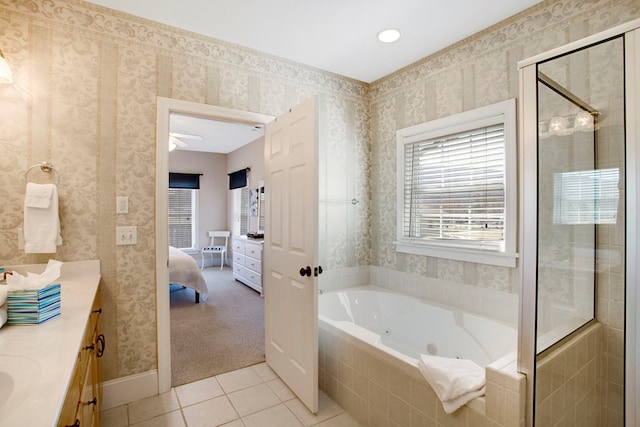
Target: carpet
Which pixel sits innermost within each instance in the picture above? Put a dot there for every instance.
(220, 335)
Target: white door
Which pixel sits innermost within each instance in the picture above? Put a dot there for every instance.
(291, 231)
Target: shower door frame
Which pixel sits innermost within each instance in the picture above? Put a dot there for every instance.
(528, 159)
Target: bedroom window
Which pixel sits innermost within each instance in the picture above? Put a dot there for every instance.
(182, 212)
(457, 186)
(183, 209)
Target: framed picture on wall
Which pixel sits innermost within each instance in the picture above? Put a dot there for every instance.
(254, 197)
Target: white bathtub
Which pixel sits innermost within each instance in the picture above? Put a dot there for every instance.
(404, 327)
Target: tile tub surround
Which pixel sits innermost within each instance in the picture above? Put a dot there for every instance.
(572, 381)
(377, 389)
(496, 304)
(53, 345)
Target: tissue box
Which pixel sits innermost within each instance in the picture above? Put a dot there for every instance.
(33, 306)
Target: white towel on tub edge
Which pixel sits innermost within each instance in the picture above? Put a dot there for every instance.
(455, 381)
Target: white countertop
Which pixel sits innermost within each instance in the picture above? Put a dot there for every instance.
(50, 349)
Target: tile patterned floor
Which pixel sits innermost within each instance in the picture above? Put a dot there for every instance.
(248, 397)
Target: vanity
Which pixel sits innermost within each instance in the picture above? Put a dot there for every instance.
(50, 373)
(247, 261)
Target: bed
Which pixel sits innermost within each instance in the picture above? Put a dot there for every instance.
(183, 270)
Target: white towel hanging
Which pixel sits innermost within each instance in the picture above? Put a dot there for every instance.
(41, 219)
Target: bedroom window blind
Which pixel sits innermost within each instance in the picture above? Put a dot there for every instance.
(181, 217)
(244, 211)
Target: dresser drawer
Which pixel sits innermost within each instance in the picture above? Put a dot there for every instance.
(253, 250)
(238, 246)
(238, 258)
(252, 276)
(253, 264)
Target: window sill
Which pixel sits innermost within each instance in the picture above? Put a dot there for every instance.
(480, 256)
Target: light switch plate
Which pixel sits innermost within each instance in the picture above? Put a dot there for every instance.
(122, 204)
(126, 235)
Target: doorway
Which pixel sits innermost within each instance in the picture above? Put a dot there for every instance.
(165, 108)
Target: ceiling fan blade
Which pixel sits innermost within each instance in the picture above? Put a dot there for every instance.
(185, 136)
(177, 142)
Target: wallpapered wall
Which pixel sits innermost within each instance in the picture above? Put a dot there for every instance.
(480, 71)
(84, 98)
(475, 72)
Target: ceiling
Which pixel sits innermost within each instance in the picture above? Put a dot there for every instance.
(217, 136)
(333, 35)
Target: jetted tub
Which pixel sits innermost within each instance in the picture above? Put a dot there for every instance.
(404, 327)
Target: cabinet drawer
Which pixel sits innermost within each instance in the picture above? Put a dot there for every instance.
(238, 259)
(238, 246)
(253, 264)
(238, 269)
(252, 276)
(253, 251)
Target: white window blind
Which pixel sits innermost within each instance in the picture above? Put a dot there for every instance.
(244, 210)
(181, 217)
(586, 197)
(457, 186)
(454, 187)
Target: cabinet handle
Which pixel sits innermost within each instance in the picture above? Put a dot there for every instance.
(99, 310)
(101, 345)
(94, 401)
(76, 424)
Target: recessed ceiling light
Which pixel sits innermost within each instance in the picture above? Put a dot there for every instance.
(389, 35)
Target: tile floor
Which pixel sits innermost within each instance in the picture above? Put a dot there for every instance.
(248, 397)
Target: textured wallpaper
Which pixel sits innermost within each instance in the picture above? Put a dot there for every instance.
(84, 98)
(475, 72)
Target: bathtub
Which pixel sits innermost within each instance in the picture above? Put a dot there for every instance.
(369, 342)
(403, 327)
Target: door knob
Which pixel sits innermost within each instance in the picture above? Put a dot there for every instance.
(305, 271)
(317, 270)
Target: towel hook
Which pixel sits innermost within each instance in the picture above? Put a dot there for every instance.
(44, 167)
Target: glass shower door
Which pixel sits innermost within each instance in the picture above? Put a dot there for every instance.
(578, 230)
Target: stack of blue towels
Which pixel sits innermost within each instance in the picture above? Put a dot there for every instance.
(33, 306)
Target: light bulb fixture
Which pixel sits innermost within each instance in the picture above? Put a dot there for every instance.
(389, 35)
(583, 121)
(5, 72)
(559, 126)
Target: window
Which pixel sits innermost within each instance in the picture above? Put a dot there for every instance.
(240, 211)
(457, 186)
(183, 191)
(586, 197)
(182, 209)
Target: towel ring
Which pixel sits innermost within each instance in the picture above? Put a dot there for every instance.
(44, 167)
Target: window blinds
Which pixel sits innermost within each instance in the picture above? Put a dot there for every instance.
(244, 210)
(455, 187)
(180, 218)
(586, 197)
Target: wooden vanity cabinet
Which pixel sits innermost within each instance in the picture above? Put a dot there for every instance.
(82, 402)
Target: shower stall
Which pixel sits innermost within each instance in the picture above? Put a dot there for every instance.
(579, 179)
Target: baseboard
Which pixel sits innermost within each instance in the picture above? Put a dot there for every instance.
(129, 389)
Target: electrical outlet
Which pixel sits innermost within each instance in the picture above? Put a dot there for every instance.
(126, 235)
